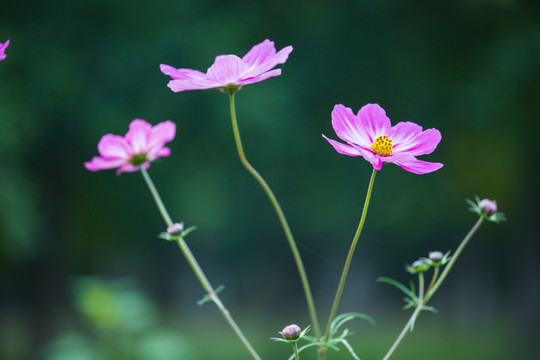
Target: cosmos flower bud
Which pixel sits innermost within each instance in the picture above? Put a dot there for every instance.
(291, 332)
(488, 206)
(175, 229)
(418, 266)
(436, 256)
(487, 209)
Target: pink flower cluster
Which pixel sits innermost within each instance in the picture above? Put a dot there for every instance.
(230, 70)
(368, 134)
(142, 144)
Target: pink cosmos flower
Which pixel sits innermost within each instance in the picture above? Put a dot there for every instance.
(3, 50)
(142, 144)
(369, 134)
(230, 70)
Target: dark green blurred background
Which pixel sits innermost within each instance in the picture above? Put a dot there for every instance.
(79, 69)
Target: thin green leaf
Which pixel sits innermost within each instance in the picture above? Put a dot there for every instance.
(349, 347)
(280, 339)
(187, 231)
(310, 338)
(206, 298)
(341, 319)
(410, 303)
(399, 285)
(430, 308)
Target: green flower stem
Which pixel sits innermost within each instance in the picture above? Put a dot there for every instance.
(296, 356)
(412, 319)
(196, 268)
(162, 210)
(281, 216)
(454, 258)
(423, 299)
(348, 263)
(433, 278)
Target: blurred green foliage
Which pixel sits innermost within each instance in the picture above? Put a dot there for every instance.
(77, 70)
(123, 326)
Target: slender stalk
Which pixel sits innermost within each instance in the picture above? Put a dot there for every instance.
(454, 258)
(433, 286)
(280, 215)
(196, 268)
(296, 356)
(433, 278)
(412, 319)
(162, 210)
(348, 262)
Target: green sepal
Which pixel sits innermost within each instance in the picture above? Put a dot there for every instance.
(410, 293)
(169, 237)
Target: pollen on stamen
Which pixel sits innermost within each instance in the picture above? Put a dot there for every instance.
(382, 145)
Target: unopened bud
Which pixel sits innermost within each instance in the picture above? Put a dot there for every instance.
(291, 332)
(175, 229)
(436, 256)
(488, 206)
(418, 266)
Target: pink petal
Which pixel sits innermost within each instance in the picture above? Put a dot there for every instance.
(262, 57)
(183, 85)
(162, 152)
(187, 79)
(397, 157)
(138, 136)
(262, 77)
(419, 166)
(376, 162)
(343, 148)
(260, 53)
(114, 146)
(130, 168)
(161, 134)
(99, 163)
(227, 69)
(3, 49)
(374, 121)
(403, 132)
(183, 74)
(348, 127)
(421, 144)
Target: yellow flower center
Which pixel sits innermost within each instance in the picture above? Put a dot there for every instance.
(382, 145)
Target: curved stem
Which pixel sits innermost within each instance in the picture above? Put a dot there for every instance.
(280, 215)
(196, 268)
(412, 319)
(454, 258)
(348, 260)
